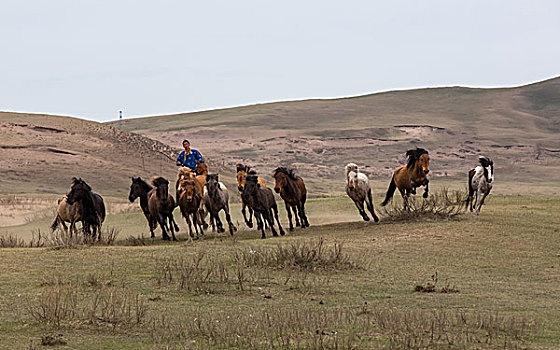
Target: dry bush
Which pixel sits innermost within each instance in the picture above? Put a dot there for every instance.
(10, 240)
(63, 302)
(440, 205)
(305, 255)
(431, 286)
(291, 328)
(137, 241)
(197, 273)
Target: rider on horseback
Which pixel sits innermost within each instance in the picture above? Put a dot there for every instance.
(189, 157)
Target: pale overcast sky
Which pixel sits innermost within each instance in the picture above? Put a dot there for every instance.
(90, 59)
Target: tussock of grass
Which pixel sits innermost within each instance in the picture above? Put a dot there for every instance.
(441, 205)
(62, 302)
(58, 239)
(306, 255)
(286, 328)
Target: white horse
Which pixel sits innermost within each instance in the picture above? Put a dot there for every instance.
(357, 188)
(481, 179)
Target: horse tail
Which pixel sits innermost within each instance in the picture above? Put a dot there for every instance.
(390, 191)
(54, 225)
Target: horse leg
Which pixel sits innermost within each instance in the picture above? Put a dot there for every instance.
(301, 210)
(232, 227)
(289, 211)
(484, 194)
(260, 225)
(189, 225)
(299, 223)
(220, 224)
(360, 205)
(171, 223)
(249, 222)
(369, 203)
(200, 220)
(426, 182)
(275, 208)
(477, 202)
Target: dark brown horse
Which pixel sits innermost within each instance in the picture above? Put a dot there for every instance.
(140, 189)
(242, 171)
(262, 202)
(93, 213)
(189, 203)
(161, 205)
(409, 176)
(292, 190)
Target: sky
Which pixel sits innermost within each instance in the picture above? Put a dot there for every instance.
(90, 59)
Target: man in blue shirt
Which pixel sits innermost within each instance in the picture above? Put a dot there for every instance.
(189, 157)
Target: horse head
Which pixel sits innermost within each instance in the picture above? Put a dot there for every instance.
(488, 166)
(78, 190)
(351, 174)
(242, 171)
(189, 189)
(212, 182)
(162, 187)
(280, 175)
(251, 186)
(418, 158)
(138, 187)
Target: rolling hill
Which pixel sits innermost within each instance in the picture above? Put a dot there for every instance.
(518, 127)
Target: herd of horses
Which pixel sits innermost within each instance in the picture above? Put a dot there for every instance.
(199, 194)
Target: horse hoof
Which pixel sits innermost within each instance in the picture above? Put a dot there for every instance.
(366, 218)
(282, 233)
(376, 219)
(275, 235)
(192, 236)
(263, 237)
(249, 224)
(425, 195)
(291, 229)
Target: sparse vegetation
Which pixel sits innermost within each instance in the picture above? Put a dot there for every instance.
(440, 205)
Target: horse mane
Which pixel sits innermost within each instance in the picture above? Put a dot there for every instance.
(413, 155)
(144, 184)
(289, 172)
(183, 171)
(351, 167)
(484, 161)
(158, 180)
(77, 180)
(251, 178)
(240, 167)
(252, 172)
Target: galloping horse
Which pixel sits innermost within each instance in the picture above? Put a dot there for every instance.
(161, 205)
(261, 199)
(292, 190)
(67, 213)
(242, 172)
(93, 213)
(186, 173)
(216, 198)
(409, 176)
(189, 203)
(480, 180)
(358, 189)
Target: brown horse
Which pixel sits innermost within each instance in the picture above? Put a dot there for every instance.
(292, 190)
(186, 173)
(409, 176)
(161, 205)
(262, 201)
(93, 207)
(189, 203)
(242, 171)
(67, 213)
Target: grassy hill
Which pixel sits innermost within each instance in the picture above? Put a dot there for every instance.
(517, 127)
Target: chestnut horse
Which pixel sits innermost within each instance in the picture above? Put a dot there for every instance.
(409, 176)
(292, 190)
(358, 189)
(186, 173)
(189, 203)
(93, 208)
(161, 205)
(242, 172)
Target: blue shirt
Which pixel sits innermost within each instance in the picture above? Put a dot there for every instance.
(189, 160)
